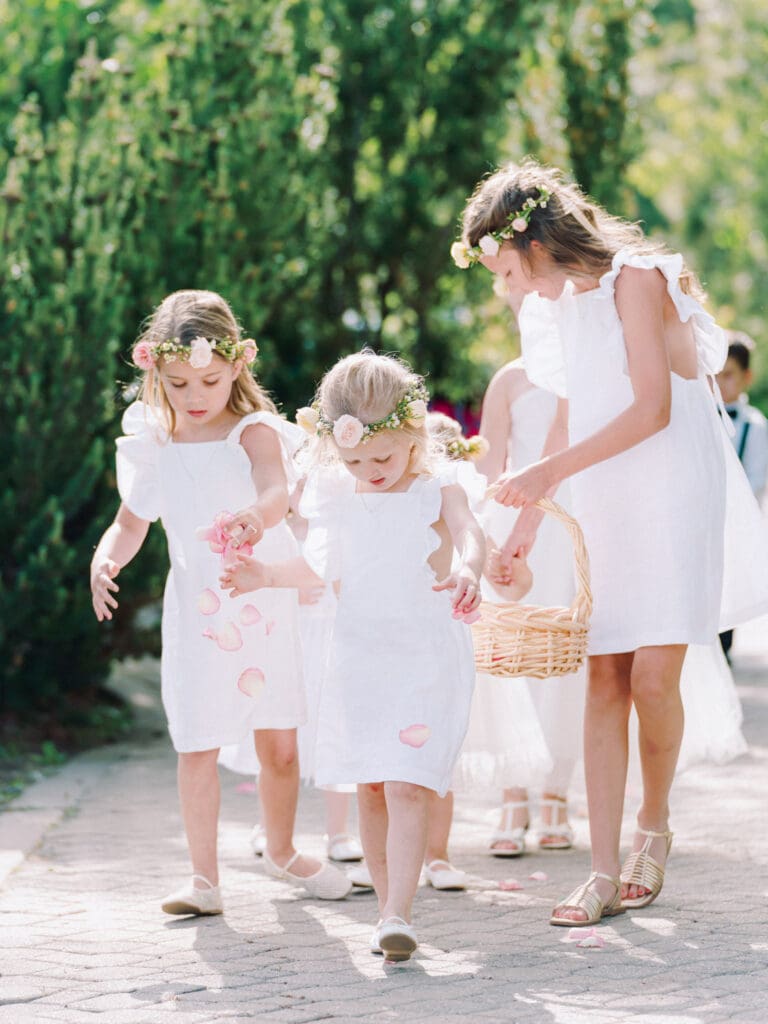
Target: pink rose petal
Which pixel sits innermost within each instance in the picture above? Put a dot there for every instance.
(538, 876)
(245, 787)
(208, 603)
(591, 942)
(251, 682)
(579, 934)
(509, 885)
(230, 638)
(209, 634)
(269, 626)
(250, 615)
(415, 735)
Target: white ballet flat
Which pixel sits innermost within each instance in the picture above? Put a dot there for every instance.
(190, 900)
(374, 945)
(397, 939)
(328, 883)
(360, 877)
(445, 877)
(344, 848)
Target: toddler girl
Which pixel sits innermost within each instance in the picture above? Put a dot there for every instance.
(383, 523)
(205, 446)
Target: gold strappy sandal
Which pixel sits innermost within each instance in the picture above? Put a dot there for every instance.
(587, 899)
(640, 868)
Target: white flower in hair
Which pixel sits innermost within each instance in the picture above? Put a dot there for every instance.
(489, 245)
(459, 255)
(348, 431)
(417, 411)
(200, 353)
(307, 418)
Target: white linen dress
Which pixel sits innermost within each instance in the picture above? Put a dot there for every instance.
(229, 666)
(654, 516)
(395, 700)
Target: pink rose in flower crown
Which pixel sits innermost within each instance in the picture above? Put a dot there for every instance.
(250, 350)
(519, 224)
(348, 431)
(142, 356)
(200, 353)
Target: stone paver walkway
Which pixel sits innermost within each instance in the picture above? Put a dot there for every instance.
(86, 856)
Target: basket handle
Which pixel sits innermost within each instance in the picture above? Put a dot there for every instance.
(581, 606)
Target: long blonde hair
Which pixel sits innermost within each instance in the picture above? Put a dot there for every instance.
(190, 314)
(576, 232)
(368, 386)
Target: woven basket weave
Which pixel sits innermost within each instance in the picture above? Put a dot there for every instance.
(513, 639)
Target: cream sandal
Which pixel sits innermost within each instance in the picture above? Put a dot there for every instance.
(586, 898)
(640, 868)
(556, 835)
(509, 835)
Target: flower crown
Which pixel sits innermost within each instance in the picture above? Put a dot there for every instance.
(198, 353)
(466, 256)
(349, 431)
(468, 448)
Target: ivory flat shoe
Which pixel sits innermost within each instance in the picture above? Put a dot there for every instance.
(444, 876)
(397, 939)
(328, 883)
(197, 902)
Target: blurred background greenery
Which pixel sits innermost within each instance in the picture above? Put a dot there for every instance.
(309, 159)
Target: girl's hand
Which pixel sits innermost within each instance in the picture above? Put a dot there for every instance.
(510, 578)
(466, 591)
(103, 587)
(520, 541)
(526, 486)
(246, 527)
(243, 575)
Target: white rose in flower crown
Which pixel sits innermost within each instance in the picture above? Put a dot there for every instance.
(348, 431)
(200, 353)
(459, 255)
(307, 418)
(489, 245)
(417, 411)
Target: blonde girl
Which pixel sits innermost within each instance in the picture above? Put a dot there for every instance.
(205, 452)
(614, 325)
(383, 524)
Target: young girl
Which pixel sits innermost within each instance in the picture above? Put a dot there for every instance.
(205, 446)
(524, 733)
(396, 699)
(615, 323)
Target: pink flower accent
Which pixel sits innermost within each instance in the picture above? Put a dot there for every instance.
(520, 224)
(208, 603)
(510, 885)
(251, 682)
(219, 540)
(348, 431)
(269, 626)
(230, 638)
(538, 876)
(142, 356)
(250, 350)
(250, 615)
(415, 735)
(586, 938)
(245, 787)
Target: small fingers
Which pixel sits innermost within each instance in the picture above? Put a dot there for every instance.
(447, 584)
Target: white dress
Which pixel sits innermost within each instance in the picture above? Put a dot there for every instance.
(395, 701)
(522, 732)
(654, 516)
(229, 666)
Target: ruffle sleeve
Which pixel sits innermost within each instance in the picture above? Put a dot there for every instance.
(321, 504)
(541, 343)
(711, 342)
(465, 474)
(137, 458)
(291, 437)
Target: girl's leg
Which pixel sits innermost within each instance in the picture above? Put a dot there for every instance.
(407, 807)
(279, 794)
(656, 694)
(606, 718)
(336, 813)
(438, 827)
(200, 797)
(374, 820)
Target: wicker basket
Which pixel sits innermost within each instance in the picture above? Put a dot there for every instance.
(513, 639)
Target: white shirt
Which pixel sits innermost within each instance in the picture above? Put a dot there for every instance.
(750, 439)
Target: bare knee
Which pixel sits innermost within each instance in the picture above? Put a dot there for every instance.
(198, 761)
(610, 683)
(277, 750)
(407, 792)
